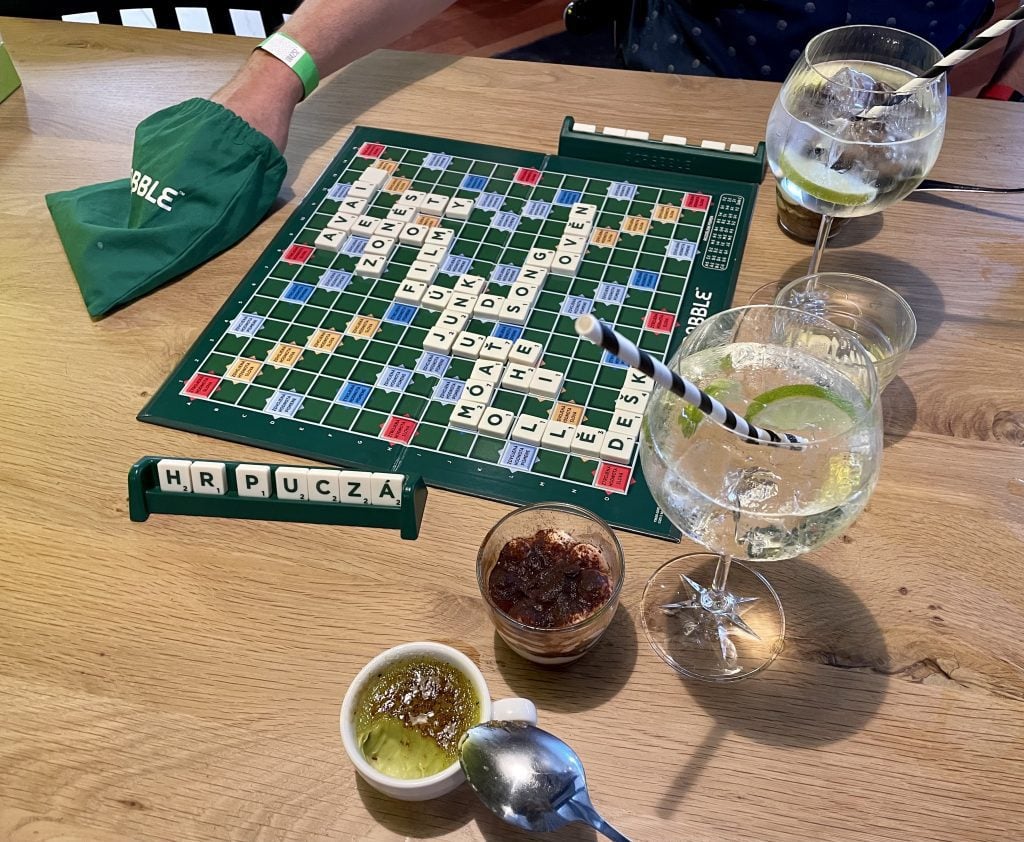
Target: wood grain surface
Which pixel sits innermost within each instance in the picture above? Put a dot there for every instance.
(181, 679)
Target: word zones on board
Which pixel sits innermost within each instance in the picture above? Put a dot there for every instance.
(323, 485)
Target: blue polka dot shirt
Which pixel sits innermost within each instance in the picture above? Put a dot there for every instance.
(761, 40)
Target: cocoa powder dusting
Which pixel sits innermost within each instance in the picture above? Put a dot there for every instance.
(549, 580)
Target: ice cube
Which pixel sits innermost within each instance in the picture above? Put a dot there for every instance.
(750, 488)
(848, 98)
(854, 91)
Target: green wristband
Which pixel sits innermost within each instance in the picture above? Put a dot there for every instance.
(292, 53)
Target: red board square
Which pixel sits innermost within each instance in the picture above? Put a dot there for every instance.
(399, 430)
(297, 254)
(660, 321)
(527, 176)
(371, 150)
(697, 201)
(613, 477)
(201, 385)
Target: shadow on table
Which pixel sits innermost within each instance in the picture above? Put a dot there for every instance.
(921, 292)
(851, 232)
(790, 705)
(855, 232)
(964, 204)
(899, 411)
(422, 819)
(446, 815)
(346, 103)
(592, 680)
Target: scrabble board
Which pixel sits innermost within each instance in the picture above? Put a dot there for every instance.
(415, 313)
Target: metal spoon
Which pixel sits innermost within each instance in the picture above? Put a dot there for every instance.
(529, 777)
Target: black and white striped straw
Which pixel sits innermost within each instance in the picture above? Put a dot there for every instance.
(615, 343)
(981, 40)
(968, 49)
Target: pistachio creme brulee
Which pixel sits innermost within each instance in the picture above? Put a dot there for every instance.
(411, 715)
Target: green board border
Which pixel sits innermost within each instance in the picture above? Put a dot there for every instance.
(709, 291)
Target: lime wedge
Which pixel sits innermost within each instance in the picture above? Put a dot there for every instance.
(724, 390)
(824, 183)
(801, 406)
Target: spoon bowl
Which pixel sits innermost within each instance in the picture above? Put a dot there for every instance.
(529, 778)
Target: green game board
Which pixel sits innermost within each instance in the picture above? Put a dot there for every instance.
(311, 357)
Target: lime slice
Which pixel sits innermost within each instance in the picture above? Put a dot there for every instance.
(801, 406)
(724, 390)
(824, 183)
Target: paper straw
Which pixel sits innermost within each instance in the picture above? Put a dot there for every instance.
(615, 343)
(942, 65)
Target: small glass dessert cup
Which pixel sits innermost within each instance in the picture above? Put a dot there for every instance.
(554, 591)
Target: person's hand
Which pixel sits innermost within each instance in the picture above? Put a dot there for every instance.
(264, 93)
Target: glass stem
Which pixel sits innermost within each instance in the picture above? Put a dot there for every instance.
(719, 594)
(819, 245)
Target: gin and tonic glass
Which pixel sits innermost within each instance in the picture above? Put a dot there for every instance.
(710, 616)
(841, 141)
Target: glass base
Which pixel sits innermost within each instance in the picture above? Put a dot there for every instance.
(712, 639)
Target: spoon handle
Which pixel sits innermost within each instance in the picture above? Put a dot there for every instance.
(590, 816)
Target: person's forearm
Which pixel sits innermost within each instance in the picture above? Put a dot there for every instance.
(265, 91)
(337, 32)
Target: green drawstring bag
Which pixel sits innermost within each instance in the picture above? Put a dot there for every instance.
(202, 178)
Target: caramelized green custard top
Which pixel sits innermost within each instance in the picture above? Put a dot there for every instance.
(411, 715)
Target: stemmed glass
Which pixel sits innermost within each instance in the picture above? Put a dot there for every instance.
(710, 616)
(841, 141)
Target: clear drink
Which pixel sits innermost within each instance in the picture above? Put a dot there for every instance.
(754, 502)
(841, 145)
(878, 316)
(714, 617)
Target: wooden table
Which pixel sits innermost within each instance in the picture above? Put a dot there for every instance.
(181, 679)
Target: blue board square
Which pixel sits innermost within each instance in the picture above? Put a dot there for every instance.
(490, 201)
(449, 390)
(505, 273)
(284, 404)
(299, 293)
(338, 192)
(246, 324)
(504, 331)
(621, 190)
(456, 264)
(355, 246)
(353, 394)
(394, 378)
(434, 365)
(401, 314)
(682, 249)
(576, 305)
(610, 359)
(437, 161)
(610, 293)
(568, 197)
(518, 457)
(643, 279)
(505, 221)
(473, 182)
(334, 279)
(537, 210)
